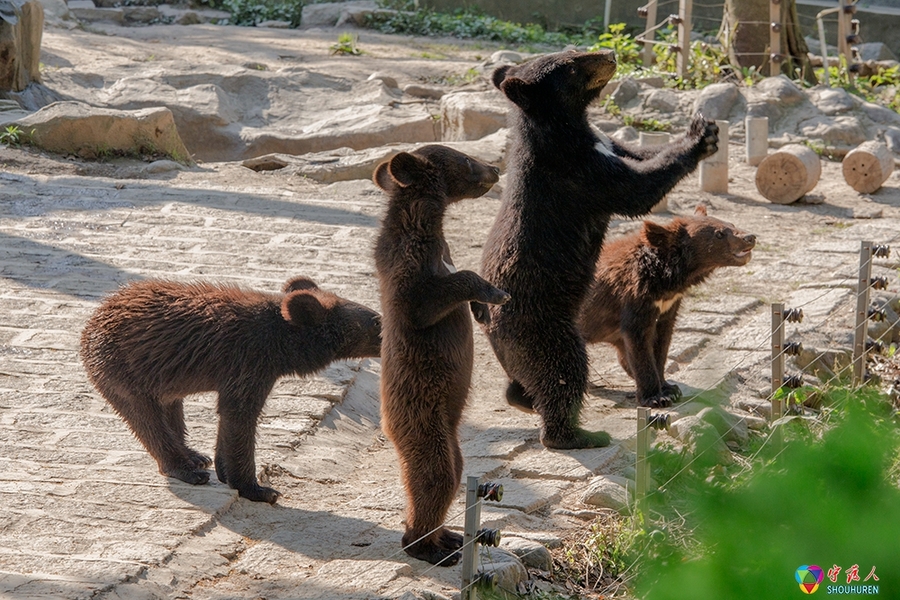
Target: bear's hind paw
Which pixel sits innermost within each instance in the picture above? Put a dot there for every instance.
(188, 474)
(580, 438)
(259, 493)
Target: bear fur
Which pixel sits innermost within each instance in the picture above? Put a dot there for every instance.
(564, 182)
(639, 284)
(153, 342)
(427, 348)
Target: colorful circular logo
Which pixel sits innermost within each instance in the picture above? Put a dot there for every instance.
(809, 577)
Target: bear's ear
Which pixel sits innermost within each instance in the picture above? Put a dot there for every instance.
(303, 308)
(299, 283)
(515, 89)
(406, 168)
(499, 75)
(382, 178)
(700, 210)
(656, 235)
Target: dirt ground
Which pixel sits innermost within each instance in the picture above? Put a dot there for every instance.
(335, 532)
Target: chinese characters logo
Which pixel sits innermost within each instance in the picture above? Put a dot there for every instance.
(810, 576)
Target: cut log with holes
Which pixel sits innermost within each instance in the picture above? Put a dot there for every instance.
(786, 175)
(868, 166)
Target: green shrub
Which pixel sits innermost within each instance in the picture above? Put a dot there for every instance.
(252, 12)
(830, 498)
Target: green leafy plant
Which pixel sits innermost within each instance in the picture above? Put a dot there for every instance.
(830, 499)
(252, 12)
(627, 50)
(346, 44)
(467, 23)
(12, 136)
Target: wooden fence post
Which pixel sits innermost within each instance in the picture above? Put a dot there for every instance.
(682, 63)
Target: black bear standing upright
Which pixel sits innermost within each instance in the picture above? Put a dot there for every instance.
(563, 185)
(641, 278)
(153, 342)
(427, 352)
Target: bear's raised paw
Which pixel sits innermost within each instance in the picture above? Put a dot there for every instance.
(706, 136)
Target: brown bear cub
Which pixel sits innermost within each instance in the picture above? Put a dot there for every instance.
(564, 184)
(427, 349)
(153, 342)
(639, 284)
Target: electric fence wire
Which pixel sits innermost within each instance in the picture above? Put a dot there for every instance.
(372, 553)
(473, 541)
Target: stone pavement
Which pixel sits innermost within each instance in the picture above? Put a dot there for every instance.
(83, 511)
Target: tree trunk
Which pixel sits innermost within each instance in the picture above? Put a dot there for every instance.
(20, 48)
(745, 32)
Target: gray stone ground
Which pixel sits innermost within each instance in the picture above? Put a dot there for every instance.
(83, 512)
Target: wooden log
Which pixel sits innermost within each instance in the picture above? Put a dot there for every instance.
(868, 166)
(786, 175)
(714, 170)
(757, 139)
(656, 138)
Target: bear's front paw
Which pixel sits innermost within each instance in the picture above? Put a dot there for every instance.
(660, 400)
(671, 391)
(706, 136)
(498, 297)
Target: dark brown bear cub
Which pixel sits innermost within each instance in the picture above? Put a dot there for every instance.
(640, 281)
(564, 184)
(154, 342)
(427, 350)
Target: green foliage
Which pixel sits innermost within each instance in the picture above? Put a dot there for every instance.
(12, 136)
(829, 497)
(706, 62)
(346, 44)
(471, 23)
(463, 23)
(627, 50)
(251, 12)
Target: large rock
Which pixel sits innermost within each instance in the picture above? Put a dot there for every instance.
(605, 492)
(532, 554)
(781, 88)
(832, 101)
(842, 133)
(662, 100)
(472, 115)
(56, 12)
(506, 567)
(627, 90)
(77, 128)
(234, 113)
(20, 48)
(701, 438)
(876, 51)
(346, 164)
(716, 101)
(331, 14)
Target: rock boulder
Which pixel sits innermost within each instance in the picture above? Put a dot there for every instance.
(77, 128)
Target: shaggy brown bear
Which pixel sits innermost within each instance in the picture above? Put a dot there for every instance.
(154, 342)
(640, 281)
(563, 184)
(427, 350)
